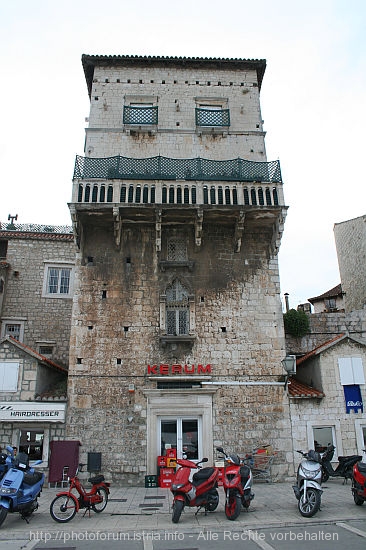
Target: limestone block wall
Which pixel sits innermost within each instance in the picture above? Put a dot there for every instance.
(331, 409)
(115, 335)
(45, 319)
(350, 239)
(324, 327)
(176, 92)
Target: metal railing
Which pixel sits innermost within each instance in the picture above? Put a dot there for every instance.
(164, 168)
(140, 115)
(212, 117)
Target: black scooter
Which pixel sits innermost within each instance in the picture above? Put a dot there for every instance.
(344, 468)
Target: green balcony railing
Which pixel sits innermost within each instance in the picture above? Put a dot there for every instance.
(164, 168)
(140, 115)
(212, 117)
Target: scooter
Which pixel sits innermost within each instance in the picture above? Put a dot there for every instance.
(359, 482)
(237, 482)
(200, 492)
(344, 468)
(20, 486)
(308, 489)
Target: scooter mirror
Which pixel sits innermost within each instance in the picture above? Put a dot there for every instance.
(220, 449)
(204, 460)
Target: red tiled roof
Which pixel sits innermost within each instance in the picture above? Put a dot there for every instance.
(302, 391)
(37, 355)
(319, 349)
(333, 292)
(37, 235)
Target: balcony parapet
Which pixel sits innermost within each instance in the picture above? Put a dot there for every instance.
(164, 168)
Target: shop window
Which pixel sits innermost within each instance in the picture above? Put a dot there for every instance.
(181, 434)
(9, 371)
(177, 310)
(31, 443)
(58, 281)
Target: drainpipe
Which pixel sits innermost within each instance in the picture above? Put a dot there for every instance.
(287, 302)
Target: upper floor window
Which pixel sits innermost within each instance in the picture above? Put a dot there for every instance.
(177, 250)
(9, 376)
(14, 328)
(177, 310)
(3, 249)
(351, 371)
(58, 281)
(140, 113)
(330, 303)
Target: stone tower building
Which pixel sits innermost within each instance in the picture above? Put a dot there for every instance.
(350, 239)
(177, 332)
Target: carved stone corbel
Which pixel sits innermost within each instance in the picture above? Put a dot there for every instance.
(75, 225)
(117, 221)
(158, 230)
(239, 228)
(198, 227)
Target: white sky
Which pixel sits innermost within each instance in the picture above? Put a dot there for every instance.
(313, 103)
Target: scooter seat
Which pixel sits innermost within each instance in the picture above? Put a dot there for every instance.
(32, 479)
(95, 480)
(349, 458)
(202, 475)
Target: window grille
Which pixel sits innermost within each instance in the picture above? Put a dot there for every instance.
(12, 329)
(140, 114)
(177, 250)
(177, 310)
(212, 116)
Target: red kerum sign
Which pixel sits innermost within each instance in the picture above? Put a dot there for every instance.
(178, 369)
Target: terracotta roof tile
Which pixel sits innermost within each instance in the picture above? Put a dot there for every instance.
(302, 391)
(319, 349)
(37, 355)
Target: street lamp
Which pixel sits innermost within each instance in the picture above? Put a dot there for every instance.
(289, 364)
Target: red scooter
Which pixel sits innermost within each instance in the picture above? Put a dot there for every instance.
(200, 492)
(359, 482)
(237, 481)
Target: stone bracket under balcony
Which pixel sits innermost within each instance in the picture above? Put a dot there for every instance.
(174, 340)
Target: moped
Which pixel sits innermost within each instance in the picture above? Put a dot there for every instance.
(200, 492)
(308, 489)
(237, 482)
(344, 468)
(66, 503)
(20, 486)
(359, 482)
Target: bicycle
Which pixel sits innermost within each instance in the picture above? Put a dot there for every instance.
(66, 503)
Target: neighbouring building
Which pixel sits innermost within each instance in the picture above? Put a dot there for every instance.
(36, 290)
(350, 239)
(177, 330)
(328, 302)
(327, 396)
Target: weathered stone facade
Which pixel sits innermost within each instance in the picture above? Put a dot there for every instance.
(175, 271)
(44, 320)
(350, 239)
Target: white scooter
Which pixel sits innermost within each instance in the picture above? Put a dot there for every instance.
(308, 489)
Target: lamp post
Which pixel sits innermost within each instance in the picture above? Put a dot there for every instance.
(289, 364)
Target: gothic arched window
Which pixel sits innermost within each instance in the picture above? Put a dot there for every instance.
(177, 309)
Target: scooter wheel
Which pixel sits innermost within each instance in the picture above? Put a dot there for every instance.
(177, 510)
(3, 514)
(63, 509)
(358, 500)
(233, 506)
(309, 503)
(99, 506)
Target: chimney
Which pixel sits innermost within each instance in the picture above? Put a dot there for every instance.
(287, 302)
